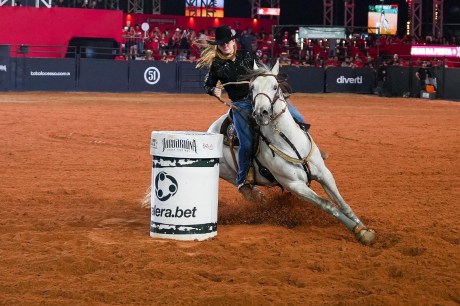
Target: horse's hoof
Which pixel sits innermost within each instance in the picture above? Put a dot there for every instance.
(364, 235)
(252, 193)
(258, 196)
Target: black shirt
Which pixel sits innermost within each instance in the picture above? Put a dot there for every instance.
(423, 73)
(231, 71)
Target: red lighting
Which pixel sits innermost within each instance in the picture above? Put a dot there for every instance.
(191, 23)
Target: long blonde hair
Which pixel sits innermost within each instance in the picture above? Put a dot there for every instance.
(210, 52)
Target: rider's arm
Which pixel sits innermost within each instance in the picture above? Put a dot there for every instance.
(211, 81)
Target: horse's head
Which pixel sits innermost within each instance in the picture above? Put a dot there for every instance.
(265, 92)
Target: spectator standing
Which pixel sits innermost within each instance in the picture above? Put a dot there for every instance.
(422, 75)
(382, 78)
(248, 40)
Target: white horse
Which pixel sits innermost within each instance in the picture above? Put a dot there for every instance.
(289, 153)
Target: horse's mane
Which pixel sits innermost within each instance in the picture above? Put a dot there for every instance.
(263, 69)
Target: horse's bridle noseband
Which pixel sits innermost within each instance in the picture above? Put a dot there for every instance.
(276, 97)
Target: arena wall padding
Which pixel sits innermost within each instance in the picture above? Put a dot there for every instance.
(305, 79)
(103, 75)
(6, 69)
(400, 80)
(451, 84)
(191, 80)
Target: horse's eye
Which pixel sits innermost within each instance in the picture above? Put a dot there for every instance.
(275, 87)
(252, 87)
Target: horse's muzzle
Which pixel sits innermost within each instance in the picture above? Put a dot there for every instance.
(262, 118)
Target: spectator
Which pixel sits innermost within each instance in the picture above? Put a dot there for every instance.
(382, 80)
(248, 40)
(422, 75)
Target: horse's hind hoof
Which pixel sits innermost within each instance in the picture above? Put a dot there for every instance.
(364, 235)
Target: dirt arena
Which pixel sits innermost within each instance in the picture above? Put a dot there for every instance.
(74, 167)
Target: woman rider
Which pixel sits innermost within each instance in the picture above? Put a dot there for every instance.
(227, 64)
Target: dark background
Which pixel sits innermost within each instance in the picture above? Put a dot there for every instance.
(310, 12)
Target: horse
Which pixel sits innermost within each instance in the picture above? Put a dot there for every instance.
(288, 152)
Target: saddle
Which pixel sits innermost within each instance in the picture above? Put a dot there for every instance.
(231, 140)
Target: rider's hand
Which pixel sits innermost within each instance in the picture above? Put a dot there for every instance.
(217, 92)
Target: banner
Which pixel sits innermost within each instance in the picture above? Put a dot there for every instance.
(155, 76)
(353, 80)
(322, 32)
(49, 74)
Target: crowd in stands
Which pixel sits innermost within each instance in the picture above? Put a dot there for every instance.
(359, 50)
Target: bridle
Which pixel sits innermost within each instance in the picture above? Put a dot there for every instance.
(278, 96)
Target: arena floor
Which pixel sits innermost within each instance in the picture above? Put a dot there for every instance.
(74, 167)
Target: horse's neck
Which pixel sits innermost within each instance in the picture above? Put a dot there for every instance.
(284, 125)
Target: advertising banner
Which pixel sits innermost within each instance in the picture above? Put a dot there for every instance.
(49, 74)
(153, 76)
(353, 80)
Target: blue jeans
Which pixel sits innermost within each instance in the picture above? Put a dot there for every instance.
(245, 135)
(295, 113)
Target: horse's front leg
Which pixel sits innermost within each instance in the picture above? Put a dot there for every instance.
(327, 181)
(361, 233)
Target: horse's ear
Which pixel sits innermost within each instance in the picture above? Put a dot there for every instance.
(276, 68)
(255, 65)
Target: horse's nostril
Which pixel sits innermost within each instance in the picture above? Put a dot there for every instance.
(265, 112)
(254, 114)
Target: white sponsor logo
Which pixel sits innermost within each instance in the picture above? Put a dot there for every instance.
(179, 145)
(3, 68)
(208, 146)
(448, 51)
(49, 73)
(152, 75)
(344, 80)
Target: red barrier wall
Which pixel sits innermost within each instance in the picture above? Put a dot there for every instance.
(56, 26)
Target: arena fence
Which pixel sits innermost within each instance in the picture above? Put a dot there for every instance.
(109, 75)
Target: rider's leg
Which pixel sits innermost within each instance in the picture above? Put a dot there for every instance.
(246, 137)
(298, 117)
(295, 113)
